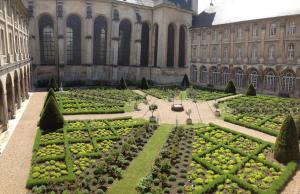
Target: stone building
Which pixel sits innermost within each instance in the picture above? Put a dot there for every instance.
(98, 40)
(246, 44)
(14, 59)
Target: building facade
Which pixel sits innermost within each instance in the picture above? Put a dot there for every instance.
(263, 51)
(14, 59)
(100, 40)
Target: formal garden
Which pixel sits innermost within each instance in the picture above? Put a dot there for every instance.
(144, 156)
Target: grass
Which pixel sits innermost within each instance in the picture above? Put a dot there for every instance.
(142, 164)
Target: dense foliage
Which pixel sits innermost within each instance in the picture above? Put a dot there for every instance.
(251, 91)
(185, 83)
(287, 146)
(144, 84)
(51, 118)
(53, 84)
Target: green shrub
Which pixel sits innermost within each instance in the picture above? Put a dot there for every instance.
(51, 118)
(297, 123)
(286, 145)
(53, 84)
(50, 93)
(185, 82)
(110, 180)
(123, 84)
(230, 88)
(144, 84)
(251, 91)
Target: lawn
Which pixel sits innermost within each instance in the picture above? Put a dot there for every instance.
(142, 164)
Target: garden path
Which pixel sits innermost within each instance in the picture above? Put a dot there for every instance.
(142, 164)
(16, 159)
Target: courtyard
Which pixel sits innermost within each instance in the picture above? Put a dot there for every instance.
(107, 145)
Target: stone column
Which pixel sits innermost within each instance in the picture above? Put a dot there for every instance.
(13, 106)
(19, 93)
(60, 27)
(115, 43)
(5, 110)
(89, 40)
(137, 42)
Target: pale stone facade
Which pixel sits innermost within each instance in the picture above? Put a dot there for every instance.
(153, 14)
(14, 59)
(264, 52)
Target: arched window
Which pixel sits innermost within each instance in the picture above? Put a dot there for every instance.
(226, 76)
(288, 82)
(215, 74)
(145, 45)
(155, 44)
(47, 47)
(2, 41)
(203, 74)
(270, 80)
(239, 77)
(73, 40)
(171, 45)
(253, 77)
(100, 40)
(124, 42)
(291, 51)
(181, 54)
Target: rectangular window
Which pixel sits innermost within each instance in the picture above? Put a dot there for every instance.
(226, 34)
(291, 29)
(203, 36)
(273, 30)
(239, 33)
(214, 35)
(254, 31)
(225, 55)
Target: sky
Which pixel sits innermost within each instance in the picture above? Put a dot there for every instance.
(203, 4)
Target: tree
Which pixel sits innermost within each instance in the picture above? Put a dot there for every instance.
(297, 122)
(144, 84)
(251, 91)
(50, 93)
(286, 145)
(53, 84)
(152, 108)
(230, 88)
(185, 82)
(123, 84)
(51, 118)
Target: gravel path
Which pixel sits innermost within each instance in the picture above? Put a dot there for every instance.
(16, 158)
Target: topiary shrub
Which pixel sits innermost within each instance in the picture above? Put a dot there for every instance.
(144, 84)
(123, 84)
(50, 93)
(230, 88)
(185, 82)
(51, 118)
(251, 91)
(53, 84)
(286, 145)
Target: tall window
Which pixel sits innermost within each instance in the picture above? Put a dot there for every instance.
(215, 76)
(254, 53)
(291, 51)
(203, 36)
(145, 45)
(239, 54)
(225, 52)
(254, 31)
(47, 47)
(273, 29)
(214, 52)
(239, 33)
(2, 41)
(203, 74)
(288, 82)
(291, 29)
(253, 78)
(214, 35)
(226, 34)
(155, 44)
(100, 40)
(171, 40)
(204, 53)
(271, 52)
(181, 54)
(73, 40)
(124, 43)
(194, 52)
(193, 73)
(226, 76)
(270, 81)
(239, 77)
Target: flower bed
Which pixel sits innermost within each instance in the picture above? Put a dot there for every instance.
(85, 158)
(223, 161)
(205, 95)
(96, 101)
(163, 93)
(262, 113)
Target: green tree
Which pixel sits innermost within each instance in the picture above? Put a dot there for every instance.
(152, 108)
(185, 82)
(286, 145)
(50, 93)
(123, 84)
(51, 118)
(144, 84)
(251, 91)
(53, 84)
(230, 88)
(297, 122)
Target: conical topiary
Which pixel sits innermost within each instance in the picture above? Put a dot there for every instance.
(53, 84)
(50, 93)
(51, 118)
(286, 145)
(144, 84)
(251, 91)
(230, 88)
(185, 82)
(123, 84)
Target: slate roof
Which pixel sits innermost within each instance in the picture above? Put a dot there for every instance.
(232, 11)
(184, 4)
